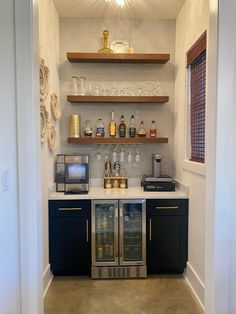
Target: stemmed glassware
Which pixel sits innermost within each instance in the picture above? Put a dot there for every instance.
(114, 155)
(122, 155)
(137, 156)
(99, 154)
(130, 157)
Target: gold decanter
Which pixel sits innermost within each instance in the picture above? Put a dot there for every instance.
(105, 49)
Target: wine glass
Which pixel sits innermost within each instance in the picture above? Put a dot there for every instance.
(99, 154)
(106, 156)
(137, 156)
(122, 155)
(114, 155)
(130, 157)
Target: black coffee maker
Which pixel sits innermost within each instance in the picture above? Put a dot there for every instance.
(157, 181)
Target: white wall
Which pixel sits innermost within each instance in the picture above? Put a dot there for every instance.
(49, 51)
(9, 211)
(191, 22)
(85, 35)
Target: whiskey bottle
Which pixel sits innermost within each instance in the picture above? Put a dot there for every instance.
(122, 127)
(88, 129)
(112, 125)
(132, 128)
(153, 129)
(141, 131)
(100, 129)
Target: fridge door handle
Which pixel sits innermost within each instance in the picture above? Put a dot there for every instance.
(150, 229)
(121, 212)
(116, 212)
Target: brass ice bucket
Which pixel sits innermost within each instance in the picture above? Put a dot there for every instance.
(74, 125)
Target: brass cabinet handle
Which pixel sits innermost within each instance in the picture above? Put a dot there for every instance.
(87, 231)
(70, 208)
(167, 207)
(150, 229)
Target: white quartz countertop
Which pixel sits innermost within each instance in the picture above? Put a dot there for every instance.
(130, 193)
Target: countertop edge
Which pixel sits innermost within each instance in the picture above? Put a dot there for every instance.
(131, 193)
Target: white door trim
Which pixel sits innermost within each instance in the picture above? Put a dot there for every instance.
(28, 141)
(220, 170)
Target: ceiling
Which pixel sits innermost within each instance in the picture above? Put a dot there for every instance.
(142, 9)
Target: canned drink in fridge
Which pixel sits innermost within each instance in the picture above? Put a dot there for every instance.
(100, 252)
(107, 249)
(111, 250)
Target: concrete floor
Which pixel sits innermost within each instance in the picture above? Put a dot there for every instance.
(155, 295)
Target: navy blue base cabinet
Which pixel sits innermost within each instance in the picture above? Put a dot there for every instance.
(70, 237)
(167, 236)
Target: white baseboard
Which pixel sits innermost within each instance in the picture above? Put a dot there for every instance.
(47, 279)
(195, 284)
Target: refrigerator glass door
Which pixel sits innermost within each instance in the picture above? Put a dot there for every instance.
(132, 232)
(105, 233)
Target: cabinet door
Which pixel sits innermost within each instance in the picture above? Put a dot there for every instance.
(69, 238)
(167, 236)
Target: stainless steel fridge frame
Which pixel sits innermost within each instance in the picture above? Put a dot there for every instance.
(119, 268)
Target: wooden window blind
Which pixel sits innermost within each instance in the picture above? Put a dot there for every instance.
(196, 63)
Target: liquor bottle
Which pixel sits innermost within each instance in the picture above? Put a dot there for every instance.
(132, 128)
(122, 127)
(88, 129)
(112, 125)
(153, 129)
(141, 131)
(100, 129)
(104, 221)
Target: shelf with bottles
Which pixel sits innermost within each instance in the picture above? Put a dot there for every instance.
(104, 230)
(117, 99)
(88, 57)
(133, 245)
(118, 133)
(105, 253)
(133, 241)
(117, 140)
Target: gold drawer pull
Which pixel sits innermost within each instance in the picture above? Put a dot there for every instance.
(167, 207)
(70, 208)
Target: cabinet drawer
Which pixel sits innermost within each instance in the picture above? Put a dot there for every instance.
(70, 208)
(167, 207)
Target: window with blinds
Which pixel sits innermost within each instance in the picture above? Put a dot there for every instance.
(196, 63)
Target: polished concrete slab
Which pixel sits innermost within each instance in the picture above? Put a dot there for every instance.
(165, 294)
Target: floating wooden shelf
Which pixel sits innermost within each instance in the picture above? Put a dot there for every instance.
(118, 57)
(117, 140)
(117, 99)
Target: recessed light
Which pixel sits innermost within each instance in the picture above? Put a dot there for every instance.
(120, 3)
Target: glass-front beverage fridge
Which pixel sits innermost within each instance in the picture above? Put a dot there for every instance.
(119, 239)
